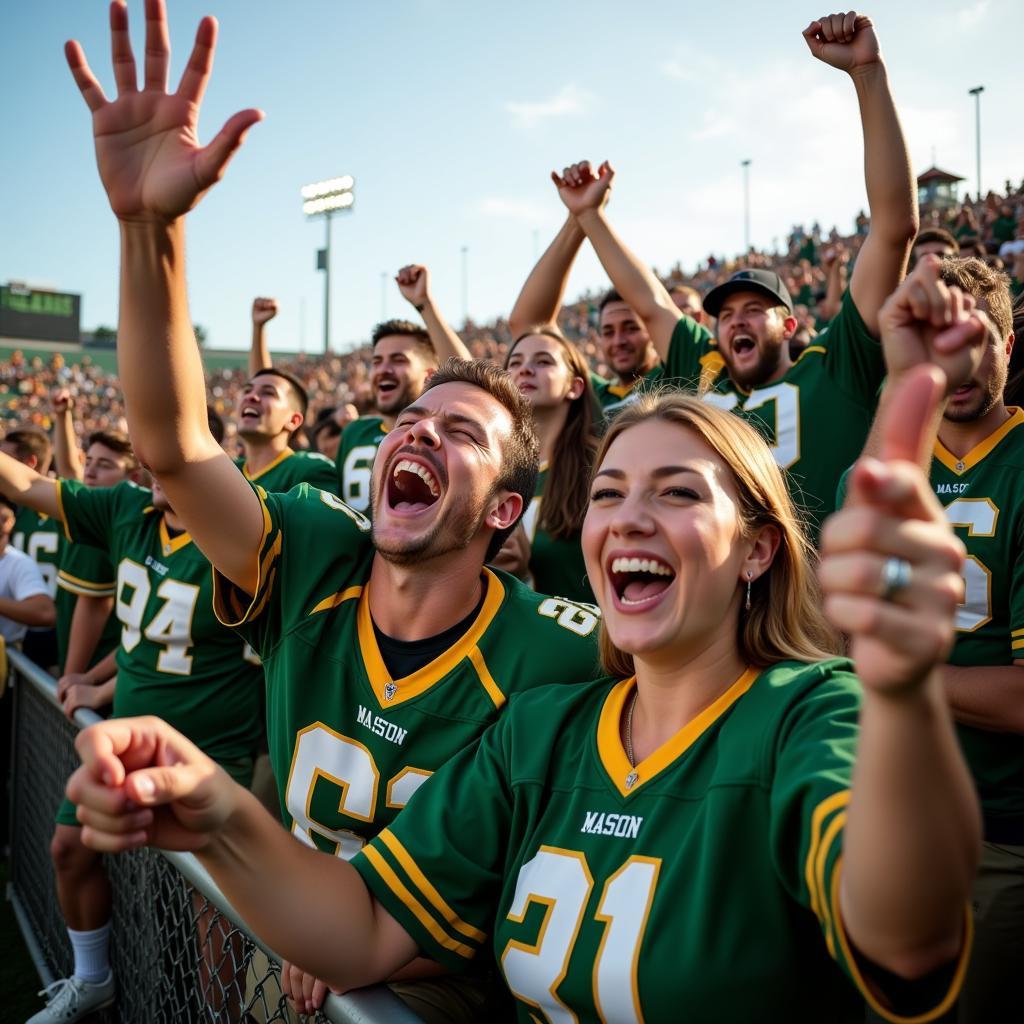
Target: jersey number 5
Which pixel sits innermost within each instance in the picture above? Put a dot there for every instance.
(561, 881)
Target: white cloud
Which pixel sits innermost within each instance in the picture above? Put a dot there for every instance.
(970, 17)
(569, 101)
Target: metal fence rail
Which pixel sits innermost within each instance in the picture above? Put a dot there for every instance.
(179, 951)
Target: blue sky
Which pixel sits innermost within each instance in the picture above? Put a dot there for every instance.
(451, 114)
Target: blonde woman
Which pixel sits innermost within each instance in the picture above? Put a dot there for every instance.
(721, 832)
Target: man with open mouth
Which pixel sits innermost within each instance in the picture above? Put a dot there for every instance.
(384, 656)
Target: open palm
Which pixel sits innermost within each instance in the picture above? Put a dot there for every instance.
(147, 147)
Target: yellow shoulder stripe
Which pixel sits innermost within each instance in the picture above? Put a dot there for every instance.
(335, 599)
(411, 868)
(827, 806)
(395, 884)
(486, 679)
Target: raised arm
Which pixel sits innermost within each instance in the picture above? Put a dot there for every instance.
(67, 457)
(184, 801)
(585, 195)
(263, 310)
(848, 42)
(891, 575)
(154, 173)
(24, 486)
(414, 284)
(540, 301)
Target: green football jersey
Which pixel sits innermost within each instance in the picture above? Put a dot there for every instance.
(816, 418)
(556, 566)
(84, 570)
(354, 462)
(175, 660)
(983, 497)
(706, 892)
(40, 538)
(292, 468)
(349, 744)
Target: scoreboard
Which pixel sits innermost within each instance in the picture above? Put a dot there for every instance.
(38, 315)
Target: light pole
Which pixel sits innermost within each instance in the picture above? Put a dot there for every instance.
(976, 93)
(324, 199)
(745, 164)
(465, 283)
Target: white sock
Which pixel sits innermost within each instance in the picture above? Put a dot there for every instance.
(91, 960)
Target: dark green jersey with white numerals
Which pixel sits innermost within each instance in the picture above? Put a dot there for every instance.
(701, 886)
(349, 744)
(816, 418)
(354, 462)
(292, 468)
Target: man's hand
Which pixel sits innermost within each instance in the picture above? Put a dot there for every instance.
(925, 321)
(581, 190)
(899, 632)
(303, 989)
(84, 695)
(143, 783)
(845, 41)
(72, 679)
(414, 284)
(263, 310)
(147, 149)
(62, 402)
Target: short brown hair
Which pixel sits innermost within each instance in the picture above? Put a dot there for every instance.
(406, 329)
(296, 391)
(520, 455)
(785, 620)
(28, 442)
(975, 277)
(940, 235)
(116, 441)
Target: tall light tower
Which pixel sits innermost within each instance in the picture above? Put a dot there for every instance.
(324, 199)
(745, 164)
(976, 93)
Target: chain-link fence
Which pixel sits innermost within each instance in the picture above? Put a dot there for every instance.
(179, 951)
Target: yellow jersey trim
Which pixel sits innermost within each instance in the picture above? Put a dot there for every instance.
(395, 884)
(826, 807)
(438, 902)
(170, 545)
(487, 680)
(621, 390)
(286, 454)
(423, 679)
(1017, 632)
(1015, 645)
(225, 593)
(865, 990)
(609, 738)
(711, 366)
(335, 599)
(959, 466)
(84, 588)
(60, 512)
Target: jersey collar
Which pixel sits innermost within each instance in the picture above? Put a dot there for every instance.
(960, 466)
(424, 678)
(286, 454)
(168, 544)
(609, 734)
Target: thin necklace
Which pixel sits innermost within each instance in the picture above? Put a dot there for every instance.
(632, 778)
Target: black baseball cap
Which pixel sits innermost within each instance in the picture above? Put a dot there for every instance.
(767, 282)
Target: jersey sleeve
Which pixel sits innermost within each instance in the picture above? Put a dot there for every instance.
(814, 759)
(1017, 600)
(438, 868)
(90, 513)
(319, 471)
(86, 571)
(693, 362)
(853, 356)
(311, 546)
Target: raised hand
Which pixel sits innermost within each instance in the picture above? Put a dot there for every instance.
(62, 402)
(147, 146)
(845, 41)
(890, 563)
(142, 783)
(414, 284)
(926, 321)
(581, 189)
(263, 310)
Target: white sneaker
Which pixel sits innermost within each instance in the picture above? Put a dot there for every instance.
(72, 998)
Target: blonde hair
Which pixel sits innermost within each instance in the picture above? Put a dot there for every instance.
(785, 620)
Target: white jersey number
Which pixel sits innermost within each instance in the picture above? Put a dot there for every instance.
(577, 618)
(356, 471)
(561, 881)
(786, 397)
(979, 517)
(322, 753)
(170, 628)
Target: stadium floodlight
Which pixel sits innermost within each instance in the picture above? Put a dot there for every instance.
(324, 199)
(976, 93)
(745, 164)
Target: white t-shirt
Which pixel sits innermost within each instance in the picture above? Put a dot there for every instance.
(20, 578)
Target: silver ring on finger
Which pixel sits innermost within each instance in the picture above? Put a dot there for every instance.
(896, 575)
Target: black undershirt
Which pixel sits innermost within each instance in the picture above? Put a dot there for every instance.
(403, 657)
